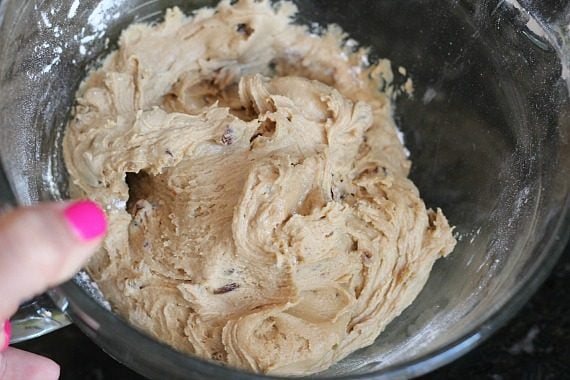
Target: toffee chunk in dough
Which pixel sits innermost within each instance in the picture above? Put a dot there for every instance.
(256, 189)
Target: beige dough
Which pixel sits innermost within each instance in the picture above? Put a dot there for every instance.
(256, 189)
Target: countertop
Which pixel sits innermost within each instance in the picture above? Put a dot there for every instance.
(535, 344)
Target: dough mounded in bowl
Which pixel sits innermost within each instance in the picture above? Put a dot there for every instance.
(259, 207)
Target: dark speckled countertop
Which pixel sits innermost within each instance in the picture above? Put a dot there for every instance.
(535, 344)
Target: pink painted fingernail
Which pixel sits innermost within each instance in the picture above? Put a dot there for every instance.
(7, 335)
(86, 219)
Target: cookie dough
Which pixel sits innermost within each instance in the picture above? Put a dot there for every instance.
(256, 189)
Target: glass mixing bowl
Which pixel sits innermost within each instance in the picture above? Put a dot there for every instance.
(488, 130)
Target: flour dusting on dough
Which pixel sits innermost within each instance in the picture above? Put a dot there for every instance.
(269, 222)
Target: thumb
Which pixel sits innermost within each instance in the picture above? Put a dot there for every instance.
(44, 245)
(20, 365)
